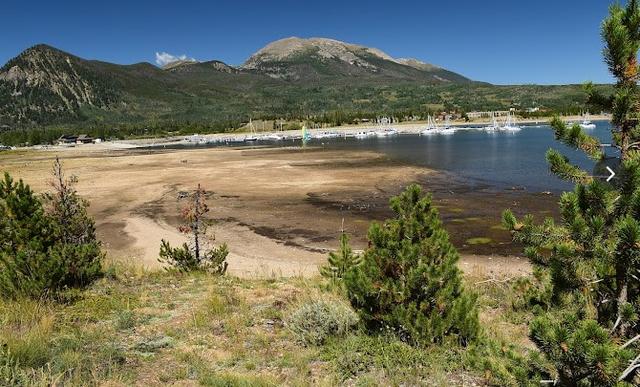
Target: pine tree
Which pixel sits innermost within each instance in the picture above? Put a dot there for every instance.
(408, 281)
(36, 256)
(69, 209)
(199, 253)
(339, 263)
(592, 257)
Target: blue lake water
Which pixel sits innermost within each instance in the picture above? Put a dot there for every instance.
(500, 159)
(497, 159)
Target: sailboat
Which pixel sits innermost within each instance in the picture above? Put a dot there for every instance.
(447, 129)
(510, 123)
(586, 123)
(494, 123)
(386, 132)
(252, 136)
(306, 136)
(431, 127)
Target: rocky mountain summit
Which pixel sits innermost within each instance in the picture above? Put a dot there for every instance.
(319, 58)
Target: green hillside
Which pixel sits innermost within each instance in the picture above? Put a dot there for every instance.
(317, 79)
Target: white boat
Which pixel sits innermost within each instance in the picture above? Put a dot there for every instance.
(322, 135)
(364, 134)
(510, 124)
(252, 136)
(447, 128)
(494, 124)
(431, 128)
(386, 133)
(272, 137)
(586, 123)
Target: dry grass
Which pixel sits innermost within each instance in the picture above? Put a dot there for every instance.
(153, 328)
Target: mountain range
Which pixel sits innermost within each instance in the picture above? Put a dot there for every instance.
(291, 77)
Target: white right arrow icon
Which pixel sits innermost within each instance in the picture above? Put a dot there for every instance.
(612, 174)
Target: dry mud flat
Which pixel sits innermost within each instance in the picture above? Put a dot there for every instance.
(279, 210)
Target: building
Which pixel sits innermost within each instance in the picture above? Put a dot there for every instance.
(67, 139)
(84, 139)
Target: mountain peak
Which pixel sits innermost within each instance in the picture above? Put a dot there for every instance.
(47, 83)
(324, 48)
(298, 59)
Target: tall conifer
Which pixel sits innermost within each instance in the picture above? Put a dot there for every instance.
(409, 281)
(592, 255)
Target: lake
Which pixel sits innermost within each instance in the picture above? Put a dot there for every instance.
(499, 159)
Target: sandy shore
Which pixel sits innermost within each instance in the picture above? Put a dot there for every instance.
(279, 210)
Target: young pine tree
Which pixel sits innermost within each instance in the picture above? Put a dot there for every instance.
(40, 252)
(68, 209)
(340, 262)
(199, 253)
(592, 257)
(409, 281)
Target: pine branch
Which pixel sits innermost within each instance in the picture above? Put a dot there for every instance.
(597, 100)
(575, 137)
(560, 166)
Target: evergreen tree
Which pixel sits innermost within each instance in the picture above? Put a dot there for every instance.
(409, 281)
(592, 258)
(199, 253)
(36, 257)
(339, 263)
(68, 209)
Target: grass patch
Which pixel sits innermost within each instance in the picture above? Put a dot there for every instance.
(164, 328)
(479, 241)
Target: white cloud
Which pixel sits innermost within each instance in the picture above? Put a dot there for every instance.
(164, 58)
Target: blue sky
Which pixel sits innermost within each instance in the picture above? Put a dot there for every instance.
(503, 42)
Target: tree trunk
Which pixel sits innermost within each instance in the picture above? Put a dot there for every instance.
(621, 297)
(196, 223)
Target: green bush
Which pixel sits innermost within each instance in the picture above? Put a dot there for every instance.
(183, 259)
(312, 323)
(35, 259)
(580, 349)
(536, 292)
(408, 281)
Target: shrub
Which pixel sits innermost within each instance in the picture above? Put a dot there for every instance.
(39, 254)
(312, 323)
(580, 349)
(533, 293)
(409, 281)
(10, 374)
(183, 259)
